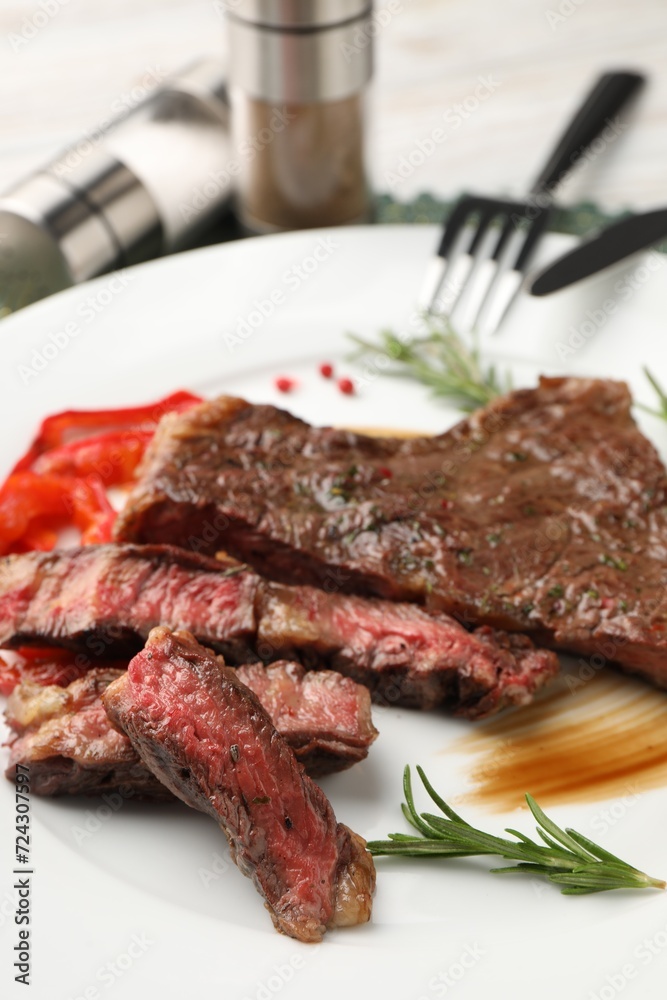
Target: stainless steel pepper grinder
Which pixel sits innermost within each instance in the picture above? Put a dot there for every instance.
(150, 182)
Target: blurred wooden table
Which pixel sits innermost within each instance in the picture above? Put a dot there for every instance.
(66, 63)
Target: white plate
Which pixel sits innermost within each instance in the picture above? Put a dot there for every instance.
(104, 874)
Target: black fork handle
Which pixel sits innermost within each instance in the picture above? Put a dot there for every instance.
(604, 101)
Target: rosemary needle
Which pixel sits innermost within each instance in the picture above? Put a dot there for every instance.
(660, 393)
(441, 360)
(565, 857)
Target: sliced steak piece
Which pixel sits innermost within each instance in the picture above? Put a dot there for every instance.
(325, 718)
(66, 738)
(404, 654)
(208, 739)
(545, 512)
(50, 665)
(106, 599)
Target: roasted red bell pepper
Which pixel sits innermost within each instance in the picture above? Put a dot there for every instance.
(57, 429)
(31, 504)
(113, 456)
(61, 480)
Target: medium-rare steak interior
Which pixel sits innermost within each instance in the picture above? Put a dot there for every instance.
(104, 600)
(208, 739)
(543, 513)
(325, 717)
(66, 738)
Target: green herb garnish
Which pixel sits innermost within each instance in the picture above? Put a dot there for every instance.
(615, 562)
(566, 857)
(441, 360)
(660, 393)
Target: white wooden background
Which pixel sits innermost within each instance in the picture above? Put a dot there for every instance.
(541, 54)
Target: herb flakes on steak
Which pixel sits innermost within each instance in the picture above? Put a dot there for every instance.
(106, 599)
(544, 512)
(208, 739)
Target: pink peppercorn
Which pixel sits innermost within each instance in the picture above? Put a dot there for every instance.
(284, 384)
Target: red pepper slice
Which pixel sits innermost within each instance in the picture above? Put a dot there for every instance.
(52, 501)
(39, 537)
(113, 456)
(55, 429)
(61, 479)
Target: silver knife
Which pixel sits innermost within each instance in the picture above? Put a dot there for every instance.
(608, 247)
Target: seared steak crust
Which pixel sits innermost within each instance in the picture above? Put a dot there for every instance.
(545, 512)
(66, 738)
(208, 739)
(106, 599)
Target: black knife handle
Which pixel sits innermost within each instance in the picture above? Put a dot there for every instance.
(604, 249)
(604, 101)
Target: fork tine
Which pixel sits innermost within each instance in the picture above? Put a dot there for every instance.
(455, 223)
(478, 255)
(514, 251)
(463, 246)
(482, 274)
(497, 264)
(453, 238)
(514, 248)
(520, 272)
(453, 277)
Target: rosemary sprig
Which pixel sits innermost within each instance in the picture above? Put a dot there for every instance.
(566, 857)
(441, 360)
(660, 393)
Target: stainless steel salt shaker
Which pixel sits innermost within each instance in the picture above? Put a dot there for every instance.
(298, 72)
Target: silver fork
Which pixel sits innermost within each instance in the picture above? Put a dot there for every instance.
(488, 242)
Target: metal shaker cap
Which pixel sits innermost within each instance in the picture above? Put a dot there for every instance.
(300, 51)
(301, 14)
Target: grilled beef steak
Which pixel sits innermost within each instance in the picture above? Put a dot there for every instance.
(405, 655)
(105, 600)
(65, 736)
(545, 512)
(325, 718)
(66, 739)
(208, 739)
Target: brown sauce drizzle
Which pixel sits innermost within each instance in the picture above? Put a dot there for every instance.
(386, 432)
(603, 738)
(580, 741)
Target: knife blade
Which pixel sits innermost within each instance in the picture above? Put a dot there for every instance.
(608, 247)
